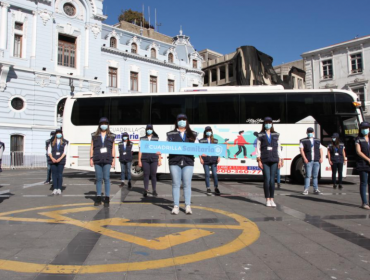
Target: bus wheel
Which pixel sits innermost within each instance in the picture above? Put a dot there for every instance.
(137, 172)
(299, 171)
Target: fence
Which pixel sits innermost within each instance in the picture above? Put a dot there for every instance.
(18, 160)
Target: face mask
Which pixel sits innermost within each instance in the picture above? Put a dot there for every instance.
(104, 127)
(365, 131)
(334, 139)
(125, 138)
(310, 135)
(268, 125)
(208, 133)
(59, 135)
(149, 132)
(181, 123)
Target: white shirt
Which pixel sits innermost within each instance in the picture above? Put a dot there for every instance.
(259, 148)
(58, 143)
(312, 147)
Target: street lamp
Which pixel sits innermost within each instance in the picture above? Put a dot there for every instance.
(71, 86)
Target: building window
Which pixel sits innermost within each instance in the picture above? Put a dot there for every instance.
(18, 26)
(195, 64)
(361, 95)
(17, 45)
(17, 103)
(153, 53)
(113, 42)
(134, 81)
(356, 63)
(112, 77)
(300, 83)
(67, 51)
(171, 85)
(170, 57)
(69, 9)
(327, 69)
(153, 84)
(133, 48)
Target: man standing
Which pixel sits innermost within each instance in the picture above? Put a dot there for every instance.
(240, 141)
(2, 149)
(47, 143)
(312, 154)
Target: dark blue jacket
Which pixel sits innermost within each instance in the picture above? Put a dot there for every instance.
(339, 158)
(307, 146)
(361, 164)
(149, 157)
(180, 160)
(103, 158)
(125, 155)
(208, 160)
(57, 153)
(269, 149)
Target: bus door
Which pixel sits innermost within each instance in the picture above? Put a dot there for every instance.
(349, 131)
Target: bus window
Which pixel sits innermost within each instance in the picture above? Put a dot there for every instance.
(344, 103)
(166, 108)
(88, 111)
(130, 110)
(216, 109)
(255, 107)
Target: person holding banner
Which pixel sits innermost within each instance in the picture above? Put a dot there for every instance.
(269, 158)
(210, 161)
(150, 161)
(181, 166)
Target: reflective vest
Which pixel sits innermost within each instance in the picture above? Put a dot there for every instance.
(101, 155)
(269, 147)
(208, 160)
(361, 164)
(125, 153)
(180, 160)
(307, 146)
(149, 157)
(336, 153)
(57, 152)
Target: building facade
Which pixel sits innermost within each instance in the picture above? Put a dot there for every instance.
(293, 71)
(50, 47)
(341, 66)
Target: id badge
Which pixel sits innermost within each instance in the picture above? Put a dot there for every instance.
(336, 154)
(124, 153)
(58, 154)
(103, 150)
(269, 148)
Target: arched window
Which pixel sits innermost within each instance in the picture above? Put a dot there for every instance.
(170, 57)
(133, 48)
(60, 107)
(113, 42)
(153, 53)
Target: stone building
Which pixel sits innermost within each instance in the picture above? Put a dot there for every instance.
(292, 72)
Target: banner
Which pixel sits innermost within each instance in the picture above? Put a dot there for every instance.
(183, 148)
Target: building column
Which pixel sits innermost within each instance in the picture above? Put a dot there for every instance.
(87, 33)
(218, 75)
(209, 77)
(34, 39)
(4, 25)
(227, 73)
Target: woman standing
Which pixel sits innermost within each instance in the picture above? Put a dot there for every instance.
(181, 166)
(363, 161)
(269, 158)
(150, 162)
(102, 157)
(210, 161)
(125, 158)
(57, 152)
(336, 157)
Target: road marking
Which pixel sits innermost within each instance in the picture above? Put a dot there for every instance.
(4, 191)
(32, 185)
(249, 234)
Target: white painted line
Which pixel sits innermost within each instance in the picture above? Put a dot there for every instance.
(81, 184)
(32, 185)
(4, 195)
(4, 184)
(35, 195)
(4, 191)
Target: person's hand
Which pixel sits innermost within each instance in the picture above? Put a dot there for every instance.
(305, 160)
(91, 162)
(204, 155)
(58, 160)
(218, 160)
(281, 163)
(260, 165)
(113, 163)
(330, 162)
(159, 162)
(158, 153)
(345, 162)
(140, 164)
(201, 161)
(320, 160)
(53, 160)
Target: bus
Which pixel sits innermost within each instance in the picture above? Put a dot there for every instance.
(235, 114)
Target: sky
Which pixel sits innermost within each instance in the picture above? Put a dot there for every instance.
(283, 29)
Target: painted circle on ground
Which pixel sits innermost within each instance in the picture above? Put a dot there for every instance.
(250, 233)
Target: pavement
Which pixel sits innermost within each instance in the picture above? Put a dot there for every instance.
(232, 236)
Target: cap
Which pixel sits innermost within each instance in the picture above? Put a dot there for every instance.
(335, 135)
(103, 119)
(52, 133)
(182, 116)
(268, 119)
(207, 128)
(149, 126)
(125, 134)
(364, 125)
(310, 129)
(58, 131)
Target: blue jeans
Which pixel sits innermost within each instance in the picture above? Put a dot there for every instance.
(48, 174)
(102, 171)
(278, 178)
(57, 171)
(269, 174)
(312, 168)
(364, 180)
(185, 174)
(214, 174)
(125, 165)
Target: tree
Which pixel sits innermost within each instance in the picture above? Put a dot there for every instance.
(134, 17)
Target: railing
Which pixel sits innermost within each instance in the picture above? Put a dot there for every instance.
(18, 160)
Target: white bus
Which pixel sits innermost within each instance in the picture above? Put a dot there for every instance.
(234, 113)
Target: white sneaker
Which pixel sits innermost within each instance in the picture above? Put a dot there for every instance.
(268, 203)
(188, 210)
(272, 203)
(59, 191)
(316, 191)
(305, 192)
(175, 210)
(54, 192)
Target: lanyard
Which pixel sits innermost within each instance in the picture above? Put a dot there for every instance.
(268, 138)
(58, 145)
(124, 147)
(184, 137)
(102, 139)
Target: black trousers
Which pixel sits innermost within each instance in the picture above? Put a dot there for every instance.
(150, 170)
(337, 167)
(240, 150)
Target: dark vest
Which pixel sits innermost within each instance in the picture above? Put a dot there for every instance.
(361, 164)
(125, 155)
(149, 157)
(334, 150)
(208, 160)
(306, 142)
(269, 150)
(180, 160)
(103, 158)
(58, 153)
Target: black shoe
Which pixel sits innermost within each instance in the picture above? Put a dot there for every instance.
(97, 201)
(217, 191)
(340, 187)
(209, 191)
(106, 201)
(145, 194)
(278, 185)
(122, 184)
(46, 183)
(155, 193)
(51, 182)
(334, 186)
(129, 185)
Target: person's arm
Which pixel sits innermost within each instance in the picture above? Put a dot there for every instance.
(260, 165)
(329, 157)
(139, 163)
(64, 153)
(302, 153)
(91, 153)
(114, 154)
(345, 156)
(280, 155)
(50, 154)
(321, 153)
